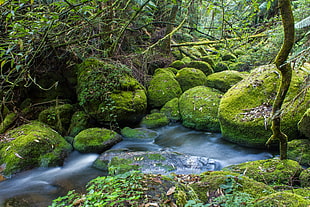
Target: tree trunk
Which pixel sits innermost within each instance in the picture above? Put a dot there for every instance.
(286, 76)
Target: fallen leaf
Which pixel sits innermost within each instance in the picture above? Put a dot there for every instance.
(151, 204)
(17, 155)
(170, 191)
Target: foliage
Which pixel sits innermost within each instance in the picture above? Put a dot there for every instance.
(120, 190)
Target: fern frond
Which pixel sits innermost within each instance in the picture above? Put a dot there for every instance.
(303, 23)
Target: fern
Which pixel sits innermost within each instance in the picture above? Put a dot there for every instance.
(303, 23)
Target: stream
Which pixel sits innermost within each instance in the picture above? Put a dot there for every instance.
(38, 187)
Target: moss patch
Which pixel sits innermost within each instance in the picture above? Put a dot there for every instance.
(171, 110)
(282, 199)
(299, 150)
(199, 108)
(95, 140)
(154, 120)
(201, 65)
(190, 77)
(139, 133)
(305, 178)
(223, 80)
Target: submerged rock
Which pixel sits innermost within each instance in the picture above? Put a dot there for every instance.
(154, 162)
(95, 140)
(199, 108)
(32, 145)
(245, 108)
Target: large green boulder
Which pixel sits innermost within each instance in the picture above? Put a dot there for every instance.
(171, 110)
(199, 108)
(162, 88)
(224, 80)
(201, 65)
(32, 145)
(245, 108)
(299, 150)
(304, 124)
(57, 117)
(270, 171)
(107, 92)
(95, 140)
(190, 77)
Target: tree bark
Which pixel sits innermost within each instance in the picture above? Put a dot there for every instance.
(286, 76)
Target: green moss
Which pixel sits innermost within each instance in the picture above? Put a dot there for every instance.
(223, 80)
(305, 178)
(139, 133)
(239, 66)
(245, 108)
(201, 65)
(299, 150)
(162, 88)
(79, 122)
(304, 192)
(155, 120)
(228, 57)
(304, 124)
(95, 140)
(157, 157)
(190, 77)
(221, 66)
(186, 60)
(199, 108)
(178, 64)
(121, 165)
(7, 122)
(171, 110)
(57, 117)
(282, 199)
(33, 145)
(270, 171)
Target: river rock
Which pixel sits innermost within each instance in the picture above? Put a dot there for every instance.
(199, 108)
(162, 88)
(190, 77)
(95, 140)
(32, 145)
(162, 162)
(224, 80)
(139, 133)
(107, 92)
(201, 65)
(299, 150)
(245, 108)
(154, 120)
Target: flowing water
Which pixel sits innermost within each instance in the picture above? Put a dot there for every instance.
(39, 187)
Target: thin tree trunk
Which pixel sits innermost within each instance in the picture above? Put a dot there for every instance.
(286, 76)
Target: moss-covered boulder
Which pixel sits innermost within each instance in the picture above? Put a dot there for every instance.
(95, 140)
(139, 133)
(304, 124)
(224, 80)
(270, 171)
(171, 110)
(57, 117)
(178, 64)
(282, 199)
(220, 66)
(209, 59)
(299, 150)
(154, 120)
(190, 77)
(201, 65)
(79, 122)
(245, 108)
(107, 92)
(162, 88)
(32, 145)
(228, 57)
(199, 108)
(228, 188)
(305, 178)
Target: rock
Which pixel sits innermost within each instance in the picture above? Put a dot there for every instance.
(212, 185)
(57, 117)
(199, 108)
(108, 93)
(228, 57)
(201, 65)
(32, 145)
(220, 66)
(299, 150)
(95, 140)
(178, 64)
(154, 120)
(209, 59)
(245, 108)
(139, 133)
(282, 199)
(162, 88)
(224, 80)
(304, 124)
(162, 162)
(79, 122)
(190, 77)
(305, 178)
(171, 110)
(270, 171)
